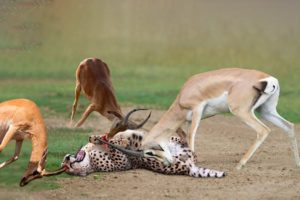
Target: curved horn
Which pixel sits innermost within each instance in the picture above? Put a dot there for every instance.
(56, 172)
(126, 118)
(133, 127)
(123, 150)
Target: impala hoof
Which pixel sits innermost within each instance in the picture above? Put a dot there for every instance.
(239, 166)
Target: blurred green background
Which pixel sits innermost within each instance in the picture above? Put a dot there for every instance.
(151, 47)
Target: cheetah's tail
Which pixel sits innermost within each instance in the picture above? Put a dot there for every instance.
(201, 172)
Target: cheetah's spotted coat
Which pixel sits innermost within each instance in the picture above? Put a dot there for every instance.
(95, 157)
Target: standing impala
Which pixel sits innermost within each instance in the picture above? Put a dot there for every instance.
(21, 119)
(239, 91)
(93, 78)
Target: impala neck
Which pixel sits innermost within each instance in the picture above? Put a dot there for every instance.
(39, 144)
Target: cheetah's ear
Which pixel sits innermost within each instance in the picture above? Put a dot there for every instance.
(78, 149)
(80, 155)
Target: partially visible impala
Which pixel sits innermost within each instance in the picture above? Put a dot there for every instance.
(239, 91)
(21, 119)
(93, 78)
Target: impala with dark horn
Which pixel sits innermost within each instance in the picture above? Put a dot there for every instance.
(21, 119)
(93, 78)
(239, 91)
(123, 123)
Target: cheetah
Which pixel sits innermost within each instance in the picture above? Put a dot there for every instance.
(97, 156)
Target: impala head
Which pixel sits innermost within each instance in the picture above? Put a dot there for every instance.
(123, 123)
(37, 170)
(33, 171)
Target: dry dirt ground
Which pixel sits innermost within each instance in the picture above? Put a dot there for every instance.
(220, 143)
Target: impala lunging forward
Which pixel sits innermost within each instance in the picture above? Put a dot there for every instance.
(93, 78)
(239, 91)
(21, 119)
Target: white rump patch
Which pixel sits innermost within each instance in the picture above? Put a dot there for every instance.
(272, 85)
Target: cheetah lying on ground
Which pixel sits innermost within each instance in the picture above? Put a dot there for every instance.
(97, 156)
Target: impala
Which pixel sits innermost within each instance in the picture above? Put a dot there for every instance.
(93, 78)
(21, 119)
(239, 91)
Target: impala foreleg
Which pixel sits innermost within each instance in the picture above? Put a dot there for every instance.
(197, 115)
(74, 107)
(16, 155)
(85, 115)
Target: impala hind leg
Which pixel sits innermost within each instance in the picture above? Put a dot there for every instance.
(15, 156)
(85, 115)
(262, 132)
(269, 113)
(197, 115)
(74, 107)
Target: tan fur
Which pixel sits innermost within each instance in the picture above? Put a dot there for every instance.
(243, 88)
(21, 119)
(204, 86)
(93, 78)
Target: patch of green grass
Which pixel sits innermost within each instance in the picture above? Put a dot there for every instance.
(151, 49)
(60, 143)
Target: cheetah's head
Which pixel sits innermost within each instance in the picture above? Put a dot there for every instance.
(78, 164)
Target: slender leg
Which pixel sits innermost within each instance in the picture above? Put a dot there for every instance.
(262, 132)
(86, 113)
(197, 114)
(16, 155)
(77, 94)
(8, 136)
(272, 116)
